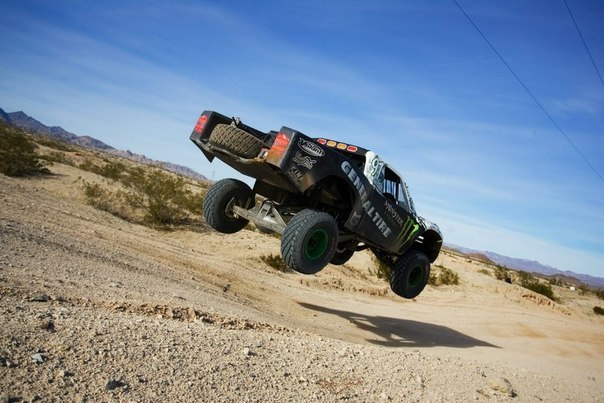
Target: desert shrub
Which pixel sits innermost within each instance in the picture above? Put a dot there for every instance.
(189, 201)
(274, 261)
(131, 198)
(556, 281)
(17, 154)
(524, 277)
(119, 203)
(96, 195)
(54, 143)
(162, 193)
(448, 277)
(540, 288)
(55, 156)
(445, 276)
(89, 166)
(529, 282)
(152, 196)
(501, 273)
(598, 310)
(381, 270)
(168, 198)
(599, 293)
(112, 170)
(584, 289)
(485, 272)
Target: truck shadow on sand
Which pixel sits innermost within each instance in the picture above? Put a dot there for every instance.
(396, 332)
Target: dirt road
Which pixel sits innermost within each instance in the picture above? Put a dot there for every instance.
(93, 308)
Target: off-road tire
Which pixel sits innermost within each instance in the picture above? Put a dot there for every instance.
(309, 241)
(235, 141)
(218, 203)
(341, 256)
(410, 274)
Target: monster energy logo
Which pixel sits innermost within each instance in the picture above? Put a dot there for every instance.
(410, 228)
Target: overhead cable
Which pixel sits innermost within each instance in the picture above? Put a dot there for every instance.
(584, 43)
(528, 91)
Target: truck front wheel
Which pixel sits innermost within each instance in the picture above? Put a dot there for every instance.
(309, 241)
(342, 255)
(219, 201)
(410, 274)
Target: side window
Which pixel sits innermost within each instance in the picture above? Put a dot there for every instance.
(393, 188)
(402, 200)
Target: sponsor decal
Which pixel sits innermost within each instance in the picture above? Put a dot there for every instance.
(376, 217)
(310, 148)
(304, 160)
(394, 214)
(355, 218)
(354, 178)
(374, 170)
(370, 210)
(410, 228)
(295, 173)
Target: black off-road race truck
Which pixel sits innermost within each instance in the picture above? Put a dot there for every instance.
(326, 198)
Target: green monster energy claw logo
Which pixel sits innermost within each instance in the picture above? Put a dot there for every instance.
(410, 228)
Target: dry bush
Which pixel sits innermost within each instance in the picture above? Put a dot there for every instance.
(17, 154)
(54, 143)
(529, 282)
(445, 276)
(502, 273)
(119, 203)
(55, 156)
(161, 199)
(274, 261)
(381, 270)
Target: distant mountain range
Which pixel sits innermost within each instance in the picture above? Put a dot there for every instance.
(26, 122)
(530, 266)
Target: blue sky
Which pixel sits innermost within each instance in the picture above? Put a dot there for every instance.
(411, 80)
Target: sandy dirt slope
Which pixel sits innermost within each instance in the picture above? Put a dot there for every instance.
(95, 308)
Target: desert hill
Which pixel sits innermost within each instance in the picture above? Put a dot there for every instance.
(98, 307)
(28, 123)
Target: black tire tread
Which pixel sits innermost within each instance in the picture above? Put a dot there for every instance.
(340, 258)
(291, 234)
(398, 277)
(235, 141)
(213, 211)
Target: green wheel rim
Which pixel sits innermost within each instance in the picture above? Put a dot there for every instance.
(316, 244)
(416, 276)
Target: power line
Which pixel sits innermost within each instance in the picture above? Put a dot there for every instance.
(529, 92)
(584, 43)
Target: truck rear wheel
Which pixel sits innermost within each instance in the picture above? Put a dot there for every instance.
(235, 141)
(410, 274)
(309, 241)
(219, 201)
(342, 255)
